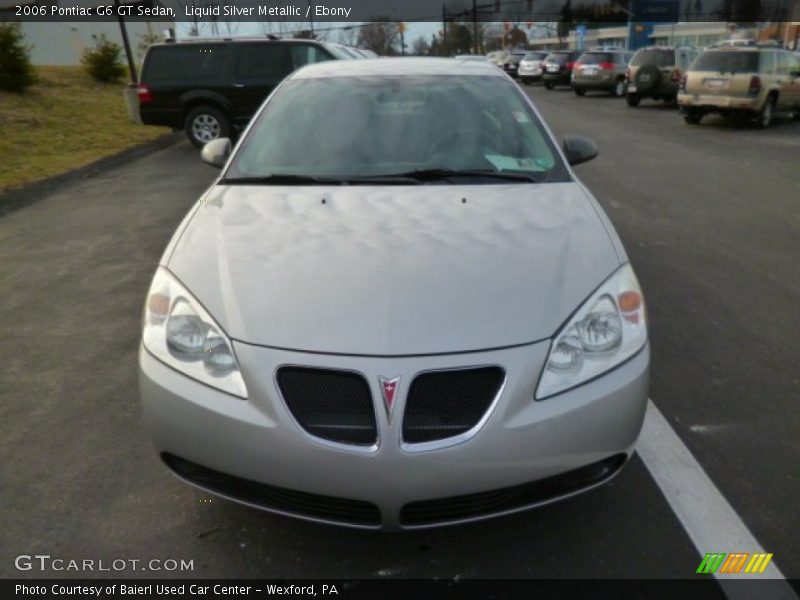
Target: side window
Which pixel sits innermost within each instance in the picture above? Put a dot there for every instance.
(306, 54)
(767, 63)
(794, 63)
(192, 62)
(781, 63)
(263, 62)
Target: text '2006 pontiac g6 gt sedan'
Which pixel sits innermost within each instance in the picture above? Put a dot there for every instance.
(397, 307)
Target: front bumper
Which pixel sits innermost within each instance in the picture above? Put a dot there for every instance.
(257, 441)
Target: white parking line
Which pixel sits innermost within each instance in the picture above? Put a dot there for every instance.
(705, 514)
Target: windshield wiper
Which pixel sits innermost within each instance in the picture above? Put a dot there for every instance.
(434, 174)
(280, 179)
(292, 179)
(417, 176)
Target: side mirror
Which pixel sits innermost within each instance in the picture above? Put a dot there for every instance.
(579, 149)
(216, 152)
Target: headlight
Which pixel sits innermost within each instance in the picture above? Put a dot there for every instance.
(179, 332)
(606, 330)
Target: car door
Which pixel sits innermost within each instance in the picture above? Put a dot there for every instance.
(789, 69)
(259, 67)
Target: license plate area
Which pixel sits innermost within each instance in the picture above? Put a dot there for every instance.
(716, 84)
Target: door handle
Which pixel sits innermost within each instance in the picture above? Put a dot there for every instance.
(238, 85)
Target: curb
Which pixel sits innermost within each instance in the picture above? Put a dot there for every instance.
(29, 193)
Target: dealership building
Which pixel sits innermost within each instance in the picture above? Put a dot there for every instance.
(694, 34)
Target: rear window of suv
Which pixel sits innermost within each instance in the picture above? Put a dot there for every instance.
(727, 61)
(560, 57)
(658, 57)
(596, 58)
(196, 62)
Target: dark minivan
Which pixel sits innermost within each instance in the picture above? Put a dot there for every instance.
(212, 88)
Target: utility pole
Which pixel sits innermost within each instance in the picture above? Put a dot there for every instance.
(475, 25)
(127, 44)
(444, 29)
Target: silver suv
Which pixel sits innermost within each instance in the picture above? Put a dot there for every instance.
(601, 70)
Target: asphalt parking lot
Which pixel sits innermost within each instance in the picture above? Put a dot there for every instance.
(711, 222)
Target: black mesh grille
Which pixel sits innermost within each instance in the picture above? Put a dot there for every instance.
(334, 405)
(342, 510)
(443, 404)
(443, 510)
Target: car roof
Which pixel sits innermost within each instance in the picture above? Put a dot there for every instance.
(239, 40)
(397, 67)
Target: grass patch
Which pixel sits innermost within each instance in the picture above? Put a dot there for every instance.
(66, 120)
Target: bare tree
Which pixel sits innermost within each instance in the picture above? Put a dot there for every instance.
(147, 39)
(380, 37)
(420, 46)
(348, 36)
(491, 35)
(277, 27)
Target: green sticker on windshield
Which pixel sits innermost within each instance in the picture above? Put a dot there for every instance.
(512, 163)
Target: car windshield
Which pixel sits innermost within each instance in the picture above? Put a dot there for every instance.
(339, 52)
(362, 128)
(596, 58)
(558, 57)
(727, 61)
(658, 57)
(534, 56)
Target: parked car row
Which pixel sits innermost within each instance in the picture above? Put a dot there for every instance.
(740, 81)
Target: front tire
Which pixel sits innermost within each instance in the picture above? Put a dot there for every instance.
(526, 81)
(206, 123)
(549, 85)
(619, 89)
(633, 100)
(579, 91)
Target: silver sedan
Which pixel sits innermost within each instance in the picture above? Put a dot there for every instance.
(396, 308)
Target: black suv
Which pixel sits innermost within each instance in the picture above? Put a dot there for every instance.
(655, 72)
(212, 88)
(557, 67)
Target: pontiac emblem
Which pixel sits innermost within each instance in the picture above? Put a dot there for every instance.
(389, 393)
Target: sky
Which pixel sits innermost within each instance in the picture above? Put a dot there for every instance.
(250, 29)
(413, 30)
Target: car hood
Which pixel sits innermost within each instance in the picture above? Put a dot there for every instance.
(394, 270)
